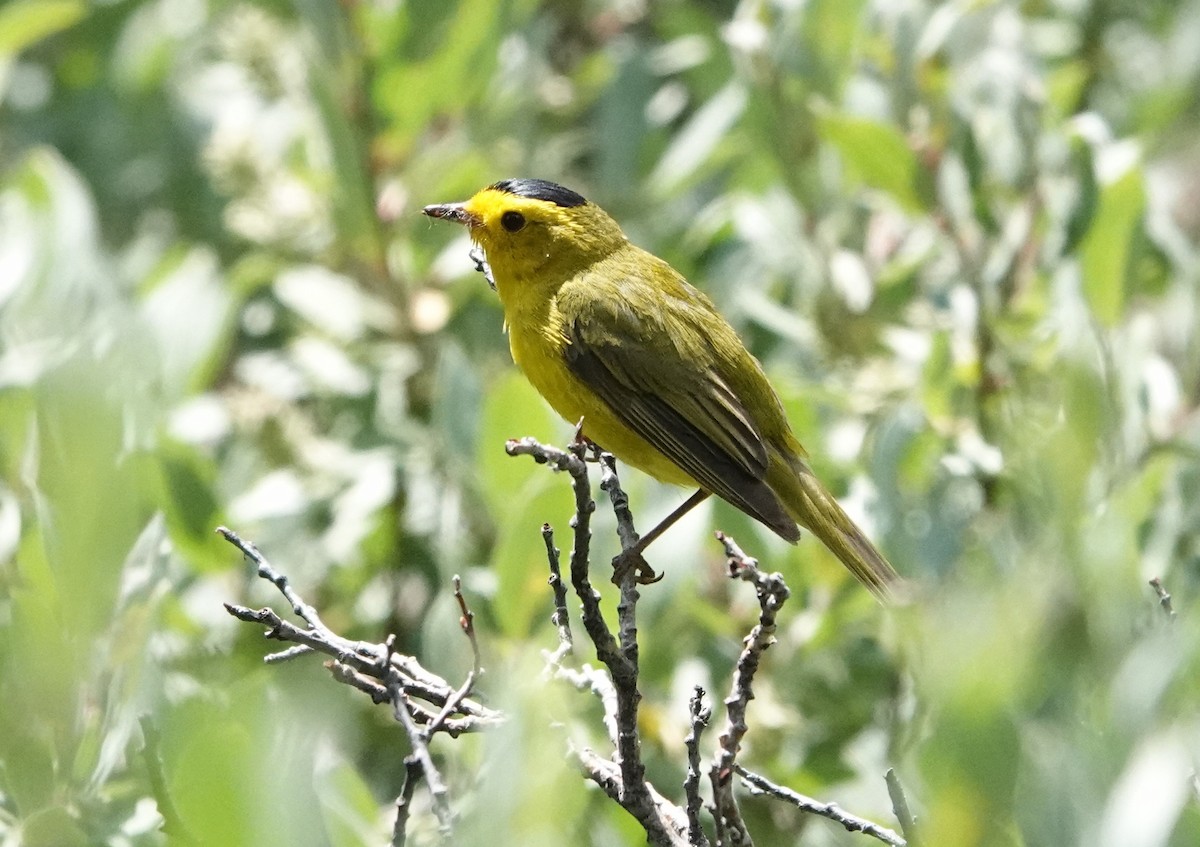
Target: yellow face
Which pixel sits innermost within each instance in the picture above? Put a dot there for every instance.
(506, 223)
(532, 229)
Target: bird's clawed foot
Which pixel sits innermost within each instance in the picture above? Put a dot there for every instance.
(631, 560)
(481, 265)
(584, 445)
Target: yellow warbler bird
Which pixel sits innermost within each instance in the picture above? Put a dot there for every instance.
(613, 335)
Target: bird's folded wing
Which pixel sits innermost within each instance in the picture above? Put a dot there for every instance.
(689, 414)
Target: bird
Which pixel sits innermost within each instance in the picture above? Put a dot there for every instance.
(613, 336)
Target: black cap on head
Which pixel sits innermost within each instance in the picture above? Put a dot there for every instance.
(540, 189)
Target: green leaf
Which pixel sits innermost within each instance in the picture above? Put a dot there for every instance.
(236, 769)
(53, 827)
(455, 414)
(1087, 194)
(29, 754)
(347, 807)
(512, 409)
(878, 156)
(185, 495)
(522, 495)
(1065, 84)
(693, 145)
(833, 28)
(190, 313)
(1107, 249)
(459, 43)
(519, 558)
(27, 22)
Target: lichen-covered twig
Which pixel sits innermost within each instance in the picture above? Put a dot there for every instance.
(904, 815)
(418, 738)
(662, 820)
(412, 775)
(422, 702)
(467, 622)
(425, 704)
(833, 811)
(1164, 599)
(772, 593)
(561, 618)
(581, 524)
(700, 715)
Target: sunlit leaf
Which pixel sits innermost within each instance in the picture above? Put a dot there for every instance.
(512, 409)
(26, 22)
(1086, 194)
(877, 155)
(1106, 251)
(188, 502)
(695, 143)
(189, 310)
(348, 808)
(456, 407)
(53, 827)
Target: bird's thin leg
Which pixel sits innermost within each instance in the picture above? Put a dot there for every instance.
(670, 520)
(632, 558)
(579, 440)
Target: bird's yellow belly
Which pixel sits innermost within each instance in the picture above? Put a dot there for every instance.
(545, 367)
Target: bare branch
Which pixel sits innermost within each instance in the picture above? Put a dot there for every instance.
(560, 460)
(349, 676)
(852, 823)
(599, 683)
(423, 717)
(908, 823)
(772, 594)
(467, 622)
(386, 677)
(419, 739)
(561, 619)
(304, 611)
(606, 774)
(437, 788)
(426, 704)
(663, 821)
(691, 783)
(288, 654)
(572, 462)
(412, 775)
(1164, 599)
(442, 720)
(636, 794)
(609, 483)
(627, 609)
(370, 660)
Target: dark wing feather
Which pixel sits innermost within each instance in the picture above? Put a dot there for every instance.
(703, 428)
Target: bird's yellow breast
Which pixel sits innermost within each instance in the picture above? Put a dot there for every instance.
(538, 344)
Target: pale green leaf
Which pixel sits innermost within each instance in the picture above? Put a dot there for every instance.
(26, 22)
(694, 144)
(877, 155)
(1107, 248)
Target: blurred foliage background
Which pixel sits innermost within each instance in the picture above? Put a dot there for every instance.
(964, 238)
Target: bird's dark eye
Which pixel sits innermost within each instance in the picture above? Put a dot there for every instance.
(512, 221)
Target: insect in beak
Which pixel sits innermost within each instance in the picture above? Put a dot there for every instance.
(456, 212)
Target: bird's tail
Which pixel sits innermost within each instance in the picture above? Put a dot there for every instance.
(815, 509)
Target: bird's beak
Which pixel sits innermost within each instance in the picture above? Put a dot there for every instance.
(456, 212)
